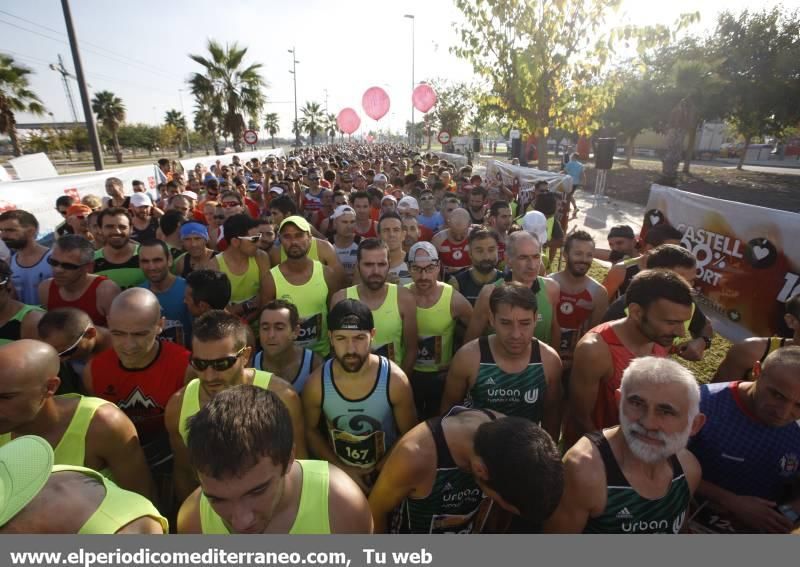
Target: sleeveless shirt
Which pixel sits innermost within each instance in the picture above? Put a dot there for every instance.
(300, 379)
(87, 302)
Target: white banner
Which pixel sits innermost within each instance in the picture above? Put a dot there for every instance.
(38, 196)
(522, 179)
(459, 160)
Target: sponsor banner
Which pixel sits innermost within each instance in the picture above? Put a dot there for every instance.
(38, 196)
(522, 179)
(747, 264)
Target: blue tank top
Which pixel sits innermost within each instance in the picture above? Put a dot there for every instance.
(363, 430)
(741, 454)
(299, 381)
(26, 279)
(177, 320)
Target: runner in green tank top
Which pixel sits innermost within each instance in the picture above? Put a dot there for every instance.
(83, 431)
(637, 477)
(219, 360)
(21, 322)
(250, 481)
(118, 259)
(510, 371)
(524, 260)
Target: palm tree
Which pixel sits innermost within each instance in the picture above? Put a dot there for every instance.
(206, 121)
(15, 96)
(230, 89)
(110, 112)
(176, 120)
(271, 126)
(313, 119)
(331, 128)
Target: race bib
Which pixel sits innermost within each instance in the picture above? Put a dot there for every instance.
(471, 523)
(386, 350)
(429, 351)
(359, 450)
(310, 328)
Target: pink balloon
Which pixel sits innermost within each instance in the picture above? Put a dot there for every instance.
(424, 97)
(348, 121)
(375, 102)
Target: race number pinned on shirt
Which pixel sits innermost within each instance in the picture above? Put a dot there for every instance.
(429, 351)
(309, 330)
(359, 450)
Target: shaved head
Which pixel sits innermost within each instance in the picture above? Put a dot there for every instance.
(27, 360)
(136, 301)
(28, 380)
(135, 322)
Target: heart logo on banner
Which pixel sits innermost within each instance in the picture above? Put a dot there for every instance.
(655, 219)
(760, 253)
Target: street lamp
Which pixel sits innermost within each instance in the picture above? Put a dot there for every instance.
(413, 23)
(293, 51)
(185, 123)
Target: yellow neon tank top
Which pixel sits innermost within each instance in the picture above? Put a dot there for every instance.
(246, 286)
(388, 340)
(435, 329)
(311, 300)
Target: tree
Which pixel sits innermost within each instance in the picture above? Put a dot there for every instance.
(453, 104)
(15, 96)
(331, 128)
(228, 89)
(110, 112)
(178, 122)
(633, 109)
(207, 124)
(759, 52)
(271, 125)
(534, 53)
(313, 120)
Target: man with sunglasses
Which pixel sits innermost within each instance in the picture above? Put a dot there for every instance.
(17, 320)
(63, 203)
(73, 284)
(220, 356)
(85, 432)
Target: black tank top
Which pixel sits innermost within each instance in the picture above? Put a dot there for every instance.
(469, 288)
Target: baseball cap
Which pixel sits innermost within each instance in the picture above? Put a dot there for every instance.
(426, 247)
(408, 202)
(189, 229)
(621, 231)
(346, 177)
(298, 221)
(25, 466)
(380, 178)
(388, 198)
(342, 210)
(535, 223)
(191, 194)
(80, 209)
(350, 315)
(276, 189)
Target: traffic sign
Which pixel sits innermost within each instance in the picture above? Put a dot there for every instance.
(443, 137)
(250, 137)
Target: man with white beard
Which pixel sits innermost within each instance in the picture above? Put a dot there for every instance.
(637, 477)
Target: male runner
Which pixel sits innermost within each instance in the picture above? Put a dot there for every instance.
(155, 260)
(476, 205)
(659, 303)
(250, 482)
(637, 477)
(143, 222)
(220, 357)
(446, 473)
(17, 320)
(118, 259)
(500, 220)
(345, 242)
(429, 217)
(365, 399)
(393, 306)
(621, 244)
(483, 252)
(390, 231)
(198, 255)
(452, 243)
(29, 264)
(206, 290)
(83, 431)
(366, 227)
(509, 371)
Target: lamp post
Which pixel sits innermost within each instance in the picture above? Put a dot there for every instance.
(293, 51)
(413, 23)
(185, 123)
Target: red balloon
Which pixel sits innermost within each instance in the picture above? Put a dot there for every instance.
(375, 102)
(424, 97)
(348, 121)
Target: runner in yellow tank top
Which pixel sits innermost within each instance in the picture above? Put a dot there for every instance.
(83, 431)
(219, 360)
(321, 251)
(256, 468)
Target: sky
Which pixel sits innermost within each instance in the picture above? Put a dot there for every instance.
(139, 49)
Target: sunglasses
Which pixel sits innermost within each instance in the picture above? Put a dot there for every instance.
(230, 204)
(64, 265)
(218, 364)
(69, 351)
(254, 238)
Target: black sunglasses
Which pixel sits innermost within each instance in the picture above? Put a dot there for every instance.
(218, 364)
(64, 265)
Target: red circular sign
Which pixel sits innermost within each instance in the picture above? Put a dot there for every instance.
(443, 137)
(250, 137)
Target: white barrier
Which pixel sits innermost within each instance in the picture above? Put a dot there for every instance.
(459, 160)
(38, 196)
(523, 179)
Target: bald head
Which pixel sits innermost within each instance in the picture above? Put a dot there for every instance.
(786, 358)
(28, 361)
(136, 300)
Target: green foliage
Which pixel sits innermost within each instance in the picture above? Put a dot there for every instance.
(453, 104)
(313, 120)
(110, 112)
(272, 126)
(15, 96)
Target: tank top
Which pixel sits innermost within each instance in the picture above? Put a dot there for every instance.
(87, 302)
(435, 329)
(388, 339)
(521, 394)
(348, 257)
(312, 511)
(313, 253)
(143, 393)
(372, 231)
(12, 330)
(544, 310)
(311, 300)
(454, 255)
(361, 431)
(606, 408)
(311, 202)
(117, 509)
(455, 505)
(402, 273)
(300, 379)
(469, 288)
(574, 311)
(187, 263)
(628, 513)
(71, 448)
(631, 269)
(190, 404)
(244, 287)
(26, 279)
(125, 275)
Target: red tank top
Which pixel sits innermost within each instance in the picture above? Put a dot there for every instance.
(86, 302)
(573, 312)
(371, 233)
(454, 255)
(606, 408)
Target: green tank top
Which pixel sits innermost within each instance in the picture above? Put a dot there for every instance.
(12, 330)
(544, 311)
(246, 286)
(125, 275)
(312, 512)
(191, 400)
(313, 253)
(71, 449)
(388, 340)
(118, 508)
(311, 300)
(435, 329)
(521, 394)
(628, 513)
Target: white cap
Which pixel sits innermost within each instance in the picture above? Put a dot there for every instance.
(535, 223)
(191, 194)
(423, 246)
(276, 189)
(380, 178)
(140, 200)
(389, 198)
(408, 202)
(342, 210)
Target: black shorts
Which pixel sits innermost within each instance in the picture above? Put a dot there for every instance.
(428, 389)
